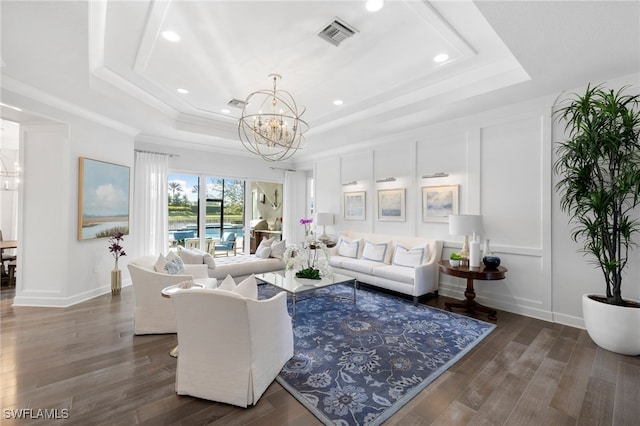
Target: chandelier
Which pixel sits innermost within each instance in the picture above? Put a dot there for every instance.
(270, 125)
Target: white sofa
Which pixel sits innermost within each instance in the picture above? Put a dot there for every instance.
(408, 265)
(154, 313)
(239, 267)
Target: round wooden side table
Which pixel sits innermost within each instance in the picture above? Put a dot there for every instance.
(470, 274)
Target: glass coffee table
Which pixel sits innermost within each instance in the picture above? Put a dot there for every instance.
(287, 281)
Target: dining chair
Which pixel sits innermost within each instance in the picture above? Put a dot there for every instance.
(6, 257)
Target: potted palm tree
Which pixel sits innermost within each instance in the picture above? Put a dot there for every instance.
(599, 185)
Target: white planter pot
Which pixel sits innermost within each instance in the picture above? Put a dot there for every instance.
(614, 328)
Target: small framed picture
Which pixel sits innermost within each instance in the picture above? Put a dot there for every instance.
(354, 206)
(438, 202)
(391, 204)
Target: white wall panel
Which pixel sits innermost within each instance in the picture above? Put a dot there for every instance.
(356, 167)
(442, 153)
(43, 245)
(395, 160)
(328, 191)
(511, 182)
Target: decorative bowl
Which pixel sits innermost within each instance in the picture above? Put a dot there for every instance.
(491, 261)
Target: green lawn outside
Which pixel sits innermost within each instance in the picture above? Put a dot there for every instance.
(191, 218)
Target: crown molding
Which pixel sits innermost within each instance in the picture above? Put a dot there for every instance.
(38, 95)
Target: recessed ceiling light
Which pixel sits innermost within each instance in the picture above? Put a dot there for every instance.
(183, 91)
(441, 57)
(225, 111)
(374, 5)
(171, 36)
(338, 102)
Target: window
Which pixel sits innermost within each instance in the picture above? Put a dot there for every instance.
(192, 224)
(183, 208)
(225, 207)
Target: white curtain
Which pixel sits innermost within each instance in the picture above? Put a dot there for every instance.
(150, 204)
(294, 206)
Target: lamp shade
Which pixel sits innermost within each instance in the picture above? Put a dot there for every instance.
(465, 224)
(323, 219)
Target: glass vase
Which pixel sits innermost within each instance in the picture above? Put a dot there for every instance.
(487, 249)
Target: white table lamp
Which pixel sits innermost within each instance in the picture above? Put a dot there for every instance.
(465, 224)
(324, 219)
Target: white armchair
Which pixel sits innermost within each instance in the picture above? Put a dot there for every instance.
(154, 313)
(231, 347)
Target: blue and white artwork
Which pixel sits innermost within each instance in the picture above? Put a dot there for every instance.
(354, 205)
(103, 199)
(438, 202)
(391, 204)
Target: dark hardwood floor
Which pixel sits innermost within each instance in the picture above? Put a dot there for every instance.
(85, 359)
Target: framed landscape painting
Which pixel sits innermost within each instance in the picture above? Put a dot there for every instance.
(391, 204)
(354, 205)
(103, 199)
(438, 202)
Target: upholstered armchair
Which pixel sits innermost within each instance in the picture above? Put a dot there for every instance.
(154, 313)
(231, 347)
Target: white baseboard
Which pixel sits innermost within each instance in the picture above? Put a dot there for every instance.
(43, 301)
(456, 292)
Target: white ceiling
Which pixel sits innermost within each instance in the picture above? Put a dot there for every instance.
(107, 60)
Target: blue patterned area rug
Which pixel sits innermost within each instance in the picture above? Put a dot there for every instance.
(358, 365)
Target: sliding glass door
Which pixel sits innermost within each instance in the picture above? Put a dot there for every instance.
(183, 208)
(198, 226)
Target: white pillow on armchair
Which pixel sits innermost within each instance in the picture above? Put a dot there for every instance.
(199, 271)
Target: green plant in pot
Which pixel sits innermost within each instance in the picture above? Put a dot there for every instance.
(598, 166)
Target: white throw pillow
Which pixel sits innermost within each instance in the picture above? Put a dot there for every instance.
(159, 265)
(227, 284)
(409, 257)
(248, 288)
(209, 260)
(376, 252)
(267, 242)
(174, 265)
(263, 252)
(191, 257)
(278, 248)
(348, 248)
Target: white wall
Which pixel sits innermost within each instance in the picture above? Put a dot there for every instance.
(498, 166)
(502, 161)
(57, 269)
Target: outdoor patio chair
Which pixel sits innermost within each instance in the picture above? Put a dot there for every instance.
(227, 243)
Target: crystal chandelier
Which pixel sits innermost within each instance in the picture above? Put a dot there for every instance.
(270, 125)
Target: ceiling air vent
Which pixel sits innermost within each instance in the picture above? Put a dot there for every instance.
(336, 32)
(236, 103)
